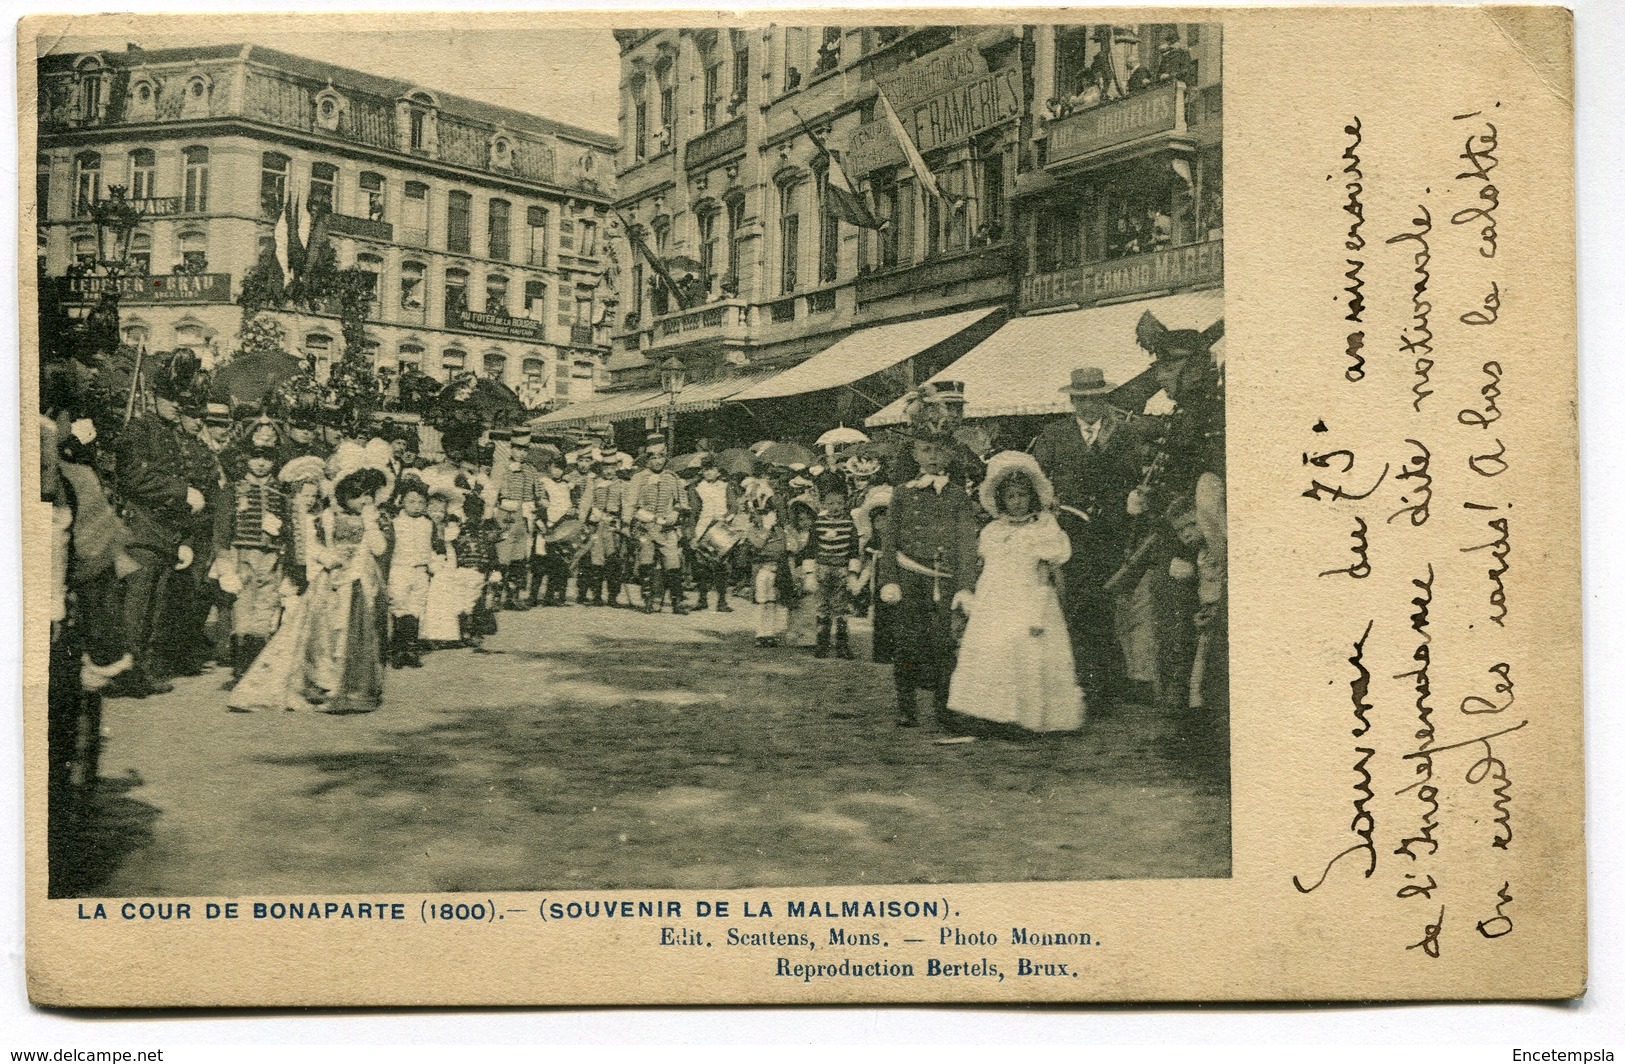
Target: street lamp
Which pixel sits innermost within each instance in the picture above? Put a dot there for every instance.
(672, 375)
(116, 218)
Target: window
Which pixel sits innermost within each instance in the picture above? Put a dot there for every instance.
(713, 94)
(536, 300)
(637, 289)
(371, 267)
(496, 294)
(829, 51)
(319, 350)
(409, 356)
(137, 335)
(740, 41)
(141, 253)
(456, 295)
(84, 250)
(412, 274)
(884, 187)
(946, 217)
(668, 110)
(795, 57)
(990, 199)
(273, 183)
(789, 238)
(535, 370)
(453, 360)
(42, 186)
(640, 134)
(195, 186)
(536, 249)
(583, 305)
(90, 95)
(495, 366)
(415, 224)
(87, 182)
(499, 226)
(323, 178)
(419, 128)
(736, 223)
(459, 220)
(587, 238)
(708, 249)
(829, 233)
(143, 164)
(194, 252)
(371, 186)
(1059, 236)
(1075, 83)
(190, 335)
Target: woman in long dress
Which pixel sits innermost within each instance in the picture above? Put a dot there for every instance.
(1015, 660)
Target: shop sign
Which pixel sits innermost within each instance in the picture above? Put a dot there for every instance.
(940, 121)
(509, 328)
(932, 74)
(141, 289)
(1155, 271)
(1119, 122)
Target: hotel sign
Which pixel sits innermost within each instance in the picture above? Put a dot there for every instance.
(948, 118)
(160, 288)
(1146, 114)
(1156, 271)
(487, 324)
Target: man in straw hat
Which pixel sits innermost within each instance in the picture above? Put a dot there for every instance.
(1092, 459)
(926, 567)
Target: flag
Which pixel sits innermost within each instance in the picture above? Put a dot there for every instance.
(279, 237)
(845, 201)
(295, 250)
(642, 248)
(922, 174)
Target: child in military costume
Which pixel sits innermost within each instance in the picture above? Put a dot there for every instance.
(926, 568)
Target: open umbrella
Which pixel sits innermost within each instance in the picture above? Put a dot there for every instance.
(759, 446)
(736, 461)
(684, 462)
(537, 455)
(840, 437)
(250, 377)
(788, 454)
(493, 401)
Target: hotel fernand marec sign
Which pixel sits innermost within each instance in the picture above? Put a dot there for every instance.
(942, 100)
(1155, 271)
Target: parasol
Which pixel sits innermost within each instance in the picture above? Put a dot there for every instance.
(736, 460)
(759, 446)
(250, 377)
(788, 454)
(493, 401)
(840, 437)
(684, 462)
(538, 455)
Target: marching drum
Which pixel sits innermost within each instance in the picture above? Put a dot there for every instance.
(718, 540)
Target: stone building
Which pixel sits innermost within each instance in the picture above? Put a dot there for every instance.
(484, 229)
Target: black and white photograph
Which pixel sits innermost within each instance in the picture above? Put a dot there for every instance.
(685, 458)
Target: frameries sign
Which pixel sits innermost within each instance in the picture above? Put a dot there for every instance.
(941, 121)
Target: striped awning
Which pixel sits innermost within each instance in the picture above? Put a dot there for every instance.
(597, 411)
(1022, 367)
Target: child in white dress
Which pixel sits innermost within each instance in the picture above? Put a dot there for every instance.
(1015, 660)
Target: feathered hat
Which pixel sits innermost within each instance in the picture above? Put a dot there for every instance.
(864, 515)
(304, 468)
(1165, 343)
(1002, 467)
(177, 376)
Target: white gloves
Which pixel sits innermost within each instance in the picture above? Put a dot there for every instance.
(964, 601)
(1136, 503)
(185, 554)
(194, 499)
(891, 594)
(1181, 569)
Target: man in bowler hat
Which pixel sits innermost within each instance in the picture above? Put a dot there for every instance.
(1092, 459)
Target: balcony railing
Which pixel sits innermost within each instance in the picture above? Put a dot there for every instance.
(723, 321)
(1107, 126)
(715, 143)
(977, 264)
(366, 228)
(581, 335)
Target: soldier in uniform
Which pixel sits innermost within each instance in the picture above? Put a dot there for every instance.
(1092, 459)
(603, 496)
(653, 509)
(158, 503)
(192, 594)
(926, 568)
(519, 493)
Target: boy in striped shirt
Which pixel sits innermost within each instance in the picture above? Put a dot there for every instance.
(835, 552)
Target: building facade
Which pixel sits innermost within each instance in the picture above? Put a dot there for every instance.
(1053, 166)
(484, 230)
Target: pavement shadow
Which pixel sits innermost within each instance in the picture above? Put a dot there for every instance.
(100, 833)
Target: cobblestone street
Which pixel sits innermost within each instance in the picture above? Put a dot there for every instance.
(636, 751)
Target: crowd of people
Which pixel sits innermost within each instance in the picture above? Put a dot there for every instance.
(1023, 589)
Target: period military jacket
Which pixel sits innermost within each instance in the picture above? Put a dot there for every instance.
(151, 485)
(661, 494)
(933, 526)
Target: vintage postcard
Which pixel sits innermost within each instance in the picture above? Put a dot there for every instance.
(801, 507)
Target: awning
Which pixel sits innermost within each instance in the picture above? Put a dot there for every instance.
(1021, 368)
(700, 395)
(600, 410)
(862, 353)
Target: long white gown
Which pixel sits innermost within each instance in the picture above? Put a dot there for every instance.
(1015, 660)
